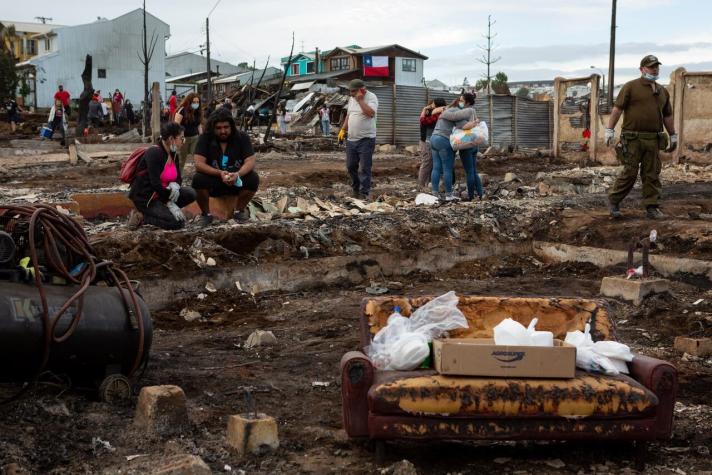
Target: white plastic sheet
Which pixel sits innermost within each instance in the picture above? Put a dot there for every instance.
(607, 357)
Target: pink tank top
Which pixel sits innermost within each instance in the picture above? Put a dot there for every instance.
(169, 173)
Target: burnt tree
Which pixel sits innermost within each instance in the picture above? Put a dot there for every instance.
(85, 96)
(278, 96)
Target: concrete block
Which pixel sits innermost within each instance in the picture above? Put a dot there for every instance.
(633, 290)
(253, 433)
(183, 465)
(701, 347)
(161, 409)
(94, 205)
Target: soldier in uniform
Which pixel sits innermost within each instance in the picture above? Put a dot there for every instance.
(645, 106)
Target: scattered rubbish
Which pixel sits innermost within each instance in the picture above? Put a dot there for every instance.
(210, 262)
(320, 384)
(511, 332)
(634, 272)
(376, 290)
(653, 236)
(97, 443)
(227, 468)
(426, 199)
(502, 460)
(260, 338)
(133, 457)
(239, 287)
(189, 315)
(210, 287)
(202, 296)
(555, 463)
(698, 301)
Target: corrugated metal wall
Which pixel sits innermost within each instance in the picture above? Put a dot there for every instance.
(518, 122)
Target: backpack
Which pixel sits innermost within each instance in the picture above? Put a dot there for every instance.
(129, 166)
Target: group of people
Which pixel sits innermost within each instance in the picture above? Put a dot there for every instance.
(224, 158)
(224, 167)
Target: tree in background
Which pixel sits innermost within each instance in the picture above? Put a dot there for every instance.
(8, 74)
(523, 92)
(488, 58)
(499, 83)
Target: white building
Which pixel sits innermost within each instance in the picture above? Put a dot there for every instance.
(114, 46)
(182, 64)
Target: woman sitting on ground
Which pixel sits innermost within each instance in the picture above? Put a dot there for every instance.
(156, 190)
(190, 116)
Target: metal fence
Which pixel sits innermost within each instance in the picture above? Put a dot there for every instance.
(518, 122)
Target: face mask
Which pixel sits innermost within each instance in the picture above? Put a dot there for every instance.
(194, 106)
(174, 147)
(461, 105)
(650, 77)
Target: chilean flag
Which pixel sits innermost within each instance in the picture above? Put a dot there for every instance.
(375, 66)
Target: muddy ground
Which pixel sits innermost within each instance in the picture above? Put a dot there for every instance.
(52, 428)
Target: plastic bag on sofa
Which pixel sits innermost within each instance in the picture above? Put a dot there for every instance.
(607, 357)
(403, 343)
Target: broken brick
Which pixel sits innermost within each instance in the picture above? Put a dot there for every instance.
(254, 434)
(701, 347)
(183, 465)
(161, 409)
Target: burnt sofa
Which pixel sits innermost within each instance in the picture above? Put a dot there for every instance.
(421, 404)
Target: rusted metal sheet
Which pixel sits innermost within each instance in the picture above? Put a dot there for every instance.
(586, 395)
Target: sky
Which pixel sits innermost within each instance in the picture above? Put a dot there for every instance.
(536, 40)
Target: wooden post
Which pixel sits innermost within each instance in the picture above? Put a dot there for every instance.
(594, 117)
(678, 110)
(155, 111)
(395, 112)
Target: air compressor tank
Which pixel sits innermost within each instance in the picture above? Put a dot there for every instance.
(105, 342)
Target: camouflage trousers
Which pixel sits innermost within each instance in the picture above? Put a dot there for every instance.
(638, 153)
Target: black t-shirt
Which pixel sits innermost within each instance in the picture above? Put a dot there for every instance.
(11, 107)
(190, 127)
(239, 148)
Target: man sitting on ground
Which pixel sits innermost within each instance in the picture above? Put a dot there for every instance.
(224, 166)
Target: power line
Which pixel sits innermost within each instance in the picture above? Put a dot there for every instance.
(214, 7)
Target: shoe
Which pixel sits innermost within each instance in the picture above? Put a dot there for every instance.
(135, 219)
(204, 220)
(355, 194)
(615, 211)
(451, 197)
(241, 216)
(653, 212)
(363, 197)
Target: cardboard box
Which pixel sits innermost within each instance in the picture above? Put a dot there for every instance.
(481, 357)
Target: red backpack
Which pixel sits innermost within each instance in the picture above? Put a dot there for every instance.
(130, 165)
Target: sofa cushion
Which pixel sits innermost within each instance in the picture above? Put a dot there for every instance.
(425, 392)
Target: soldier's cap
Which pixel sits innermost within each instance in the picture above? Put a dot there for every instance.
(356, 84)
(649, 61)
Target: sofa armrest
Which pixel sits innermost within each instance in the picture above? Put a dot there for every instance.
(661, 378)
(356, 379)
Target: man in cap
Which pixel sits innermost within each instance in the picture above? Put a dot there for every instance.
(646, 108)
(360, 124)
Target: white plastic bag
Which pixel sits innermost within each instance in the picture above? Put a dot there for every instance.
(476, 137)
(403, 343)
(607, 357)
(510, 332)
(425, 199)
(438, 316)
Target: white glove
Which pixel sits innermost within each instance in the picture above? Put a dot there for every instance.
(608, 137)
(673, 143)
(174, 190)
(175, 211)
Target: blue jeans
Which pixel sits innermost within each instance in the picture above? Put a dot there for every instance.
(443, 163)
(359, 159)
(325, 127)
(469, 163)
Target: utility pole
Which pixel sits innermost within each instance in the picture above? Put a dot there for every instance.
(612, 55)
(487, 55)
(207, 47)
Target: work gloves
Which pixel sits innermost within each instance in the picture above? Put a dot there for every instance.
(673, 143)
(175, 211)
(609, 136)
(174, 190)
(342, 135)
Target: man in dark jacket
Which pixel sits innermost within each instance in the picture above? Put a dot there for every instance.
(156, 190)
